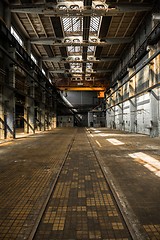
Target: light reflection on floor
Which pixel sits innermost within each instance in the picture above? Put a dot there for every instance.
(114, 141)
(149, 162)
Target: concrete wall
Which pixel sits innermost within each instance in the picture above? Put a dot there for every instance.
(133, 102)
(82, 98)
(143, 117)
(65, 121)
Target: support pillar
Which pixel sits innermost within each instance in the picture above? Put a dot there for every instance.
(90, 119)
(112, 121)
(54, 117)
(29, 116)
(50, 112)
(9, 101)
(9, 114)
(112, 110)
(29, 109)
(2, 133)
(43, 109)
(120, 116)
(154, 93)
(107, 112)
(132, 101)
(154, 101)
(133, 112)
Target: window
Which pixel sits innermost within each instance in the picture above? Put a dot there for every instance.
(43, 72)
(73, 32)
(16, 35)
(72, 24)
(33, 58)
(95, 25)
(91, 49)
(74, 49)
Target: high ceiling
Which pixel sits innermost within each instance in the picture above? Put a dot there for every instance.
(79, 42)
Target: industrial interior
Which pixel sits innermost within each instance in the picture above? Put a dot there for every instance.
(80, 119)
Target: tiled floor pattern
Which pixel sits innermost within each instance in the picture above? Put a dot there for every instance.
(27, 172)
(153, 231)
(82, 206)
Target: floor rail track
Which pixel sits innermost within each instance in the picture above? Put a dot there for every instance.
(130, 224)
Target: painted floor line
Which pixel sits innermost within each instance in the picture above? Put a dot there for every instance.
(98, 143)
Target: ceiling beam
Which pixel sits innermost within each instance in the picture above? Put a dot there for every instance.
(66, 60)
(71, 72)
(65, 88)
(134, 7)
(86, 27)
(50, 9)
(62, 42)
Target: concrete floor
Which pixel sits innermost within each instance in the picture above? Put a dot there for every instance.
(132, 161)
(29, 166)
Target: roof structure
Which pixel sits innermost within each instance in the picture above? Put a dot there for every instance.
(80, 42)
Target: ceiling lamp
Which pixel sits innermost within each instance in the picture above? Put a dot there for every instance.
(62, 7)
(100, 6)
(74, 7)
(67, 40)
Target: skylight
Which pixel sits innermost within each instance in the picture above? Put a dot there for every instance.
(72, 24)
(73, 27)
(76, 67)
(16, 35)
(91, 49)
(74, 49)
(95, 24)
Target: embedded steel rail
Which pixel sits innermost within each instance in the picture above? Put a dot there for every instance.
(133, 230)
(40, 215)
(131, 222)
